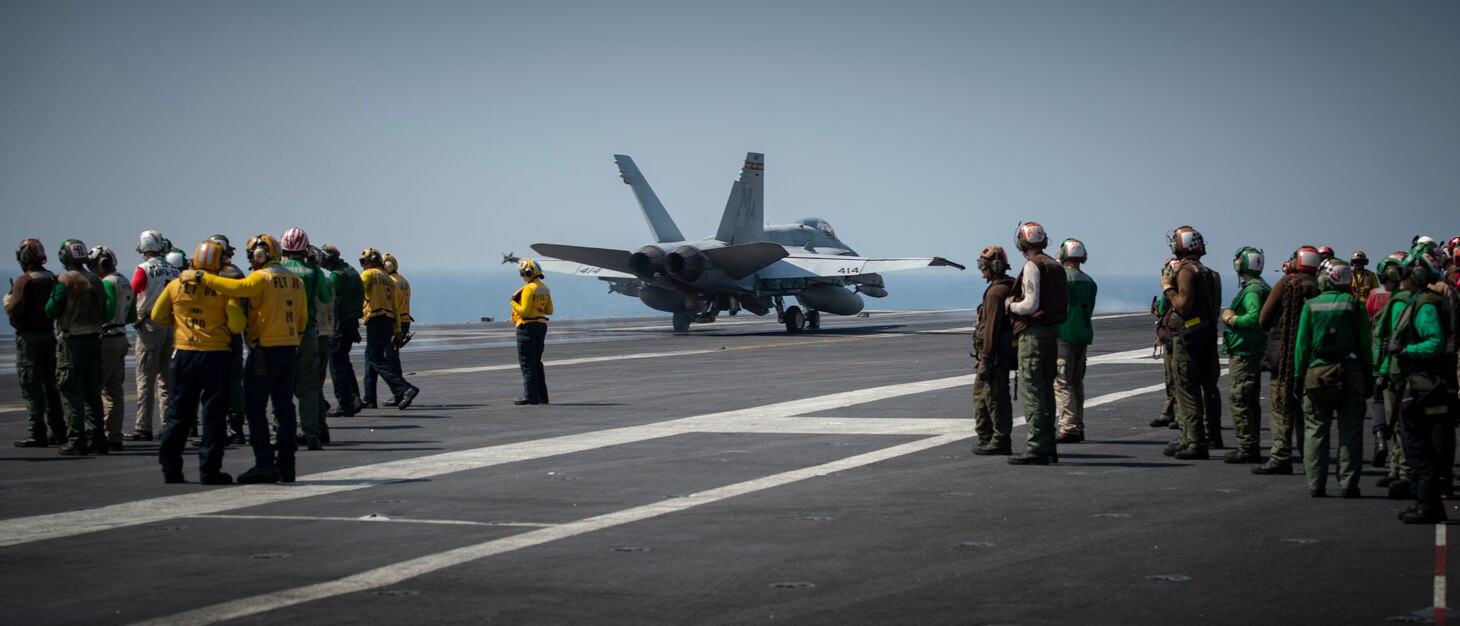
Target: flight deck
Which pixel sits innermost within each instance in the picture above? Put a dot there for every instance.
(732, 474)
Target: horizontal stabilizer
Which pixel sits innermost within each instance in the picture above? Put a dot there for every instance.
(615, 260)
(744, 260)
(819, 265)
(557, 266)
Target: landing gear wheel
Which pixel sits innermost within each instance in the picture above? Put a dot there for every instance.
(681, 321)
(795, 321)
(813, 319)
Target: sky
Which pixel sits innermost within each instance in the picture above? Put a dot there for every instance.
(450, 132)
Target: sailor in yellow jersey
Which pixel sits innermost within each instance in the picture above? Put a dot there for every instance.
(277, 315)
(382, 331)
(530, 307)
(205, 322)
(402, 289)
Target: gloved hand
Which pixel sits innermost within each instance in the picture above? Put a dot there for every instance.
(396, 341)
(1168, 283)
(191, 277)
(355, 335)
(1396, 347)
(1228, 317)
(7, 299)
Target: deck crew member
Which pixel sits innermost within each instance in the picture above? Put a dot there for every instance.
(1075, 336)
(35, 347)
(1332, 366)
(996, 354)
(531, 304)
(1037, 307)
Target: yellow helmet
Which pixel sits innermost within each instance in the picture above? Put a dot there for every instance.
(388, 261)
(208, 256)
(529, 267)
(262, 249)
(370, 256)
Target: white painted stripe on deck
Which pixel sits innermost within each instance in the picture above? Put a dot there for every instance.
(371, 520)
(398, 572)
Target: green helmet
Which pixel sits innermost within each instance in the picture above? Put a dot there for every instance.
(73, 251)
(1335, 275)
(1248, 261)
(1422, 264)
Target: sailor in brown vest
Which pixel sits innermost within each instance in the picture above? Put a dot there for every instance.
(1038, 306)
(1193, 324)
(79, 305)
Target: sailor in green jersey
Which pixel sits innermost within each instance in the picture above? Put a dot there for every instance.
(1332, 364)
(294, 246)
(1387, 380)
(348, 304)
(1418, 349)
(1075, 336)
(1245, 343)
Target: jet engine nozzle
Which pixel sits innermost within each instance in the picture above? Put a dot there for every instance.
(648, 261)
(686, 263)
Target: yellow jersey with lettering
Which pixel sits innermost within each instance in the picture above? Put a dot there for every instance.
(206, 320)
(277, 309)
(402, 297)
(379, 296)
(532, 303)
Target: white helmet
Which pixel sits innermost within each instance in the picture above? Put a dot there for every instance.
(150, 241)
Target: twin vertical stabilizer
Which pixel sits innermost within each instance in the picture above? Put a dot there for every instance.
(661, 226)
(744, 218)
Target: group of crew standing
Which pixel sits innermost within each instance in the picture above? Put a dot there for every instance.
(298, 312)
(1331, 333)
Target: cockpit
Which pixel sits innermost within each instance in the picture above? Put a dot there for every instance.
(819, 224)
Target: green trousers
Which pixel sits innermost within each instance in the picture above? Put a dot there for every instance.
(1038, 356)
(1191, 363)
(1283, 412)
(1244, 396)
(1318, 418)
(78, 374)
(993, 412)
(1398, 464)
(35, 366)
(307, 383)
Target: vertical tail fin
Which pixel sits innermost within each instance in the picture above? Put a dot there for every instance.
(744, 218)
(661, 226)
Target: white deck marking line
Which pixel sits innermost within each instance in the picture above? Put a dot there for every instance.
(405, 570)
(1441, 558)
(69, 523)
(372, 520)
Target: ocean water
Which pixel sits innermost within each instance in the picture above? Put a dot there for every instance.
(453, 296)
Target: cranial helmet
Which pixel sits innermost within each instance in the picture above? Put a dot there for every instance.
(1336, 275)
(1306, 260)
(1030, 236)
(1072, 250)
(208, 256)
(262, 249)
(1421, 262)
(1359, 258)
(1186, 241)
(1325, 252)
(993, 259)
(151, 241)
(1392, 267)
(177, 258)
(73, 251)
(294, 240)
(529, 267)
(370, 257)
(1248, 261)
(31, 252)
(223, 241)
(101, 256)
(1287, 267)
(388, 261)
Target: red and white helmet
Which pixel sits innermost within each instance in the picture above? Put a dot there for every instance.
(294, 240)
(1336, 275)
(1030, 236)
(1306, 260)
(1187, 241)
(1248, 260)
(1325, 253)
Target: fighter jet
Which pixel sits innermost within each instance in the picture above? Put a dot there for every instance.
(746, 265)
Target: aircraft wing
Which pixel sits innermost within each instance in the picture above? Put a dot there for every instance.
(826, 265)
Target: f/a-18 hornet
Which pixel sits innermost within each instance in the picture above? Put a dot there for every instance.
(746, 265)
